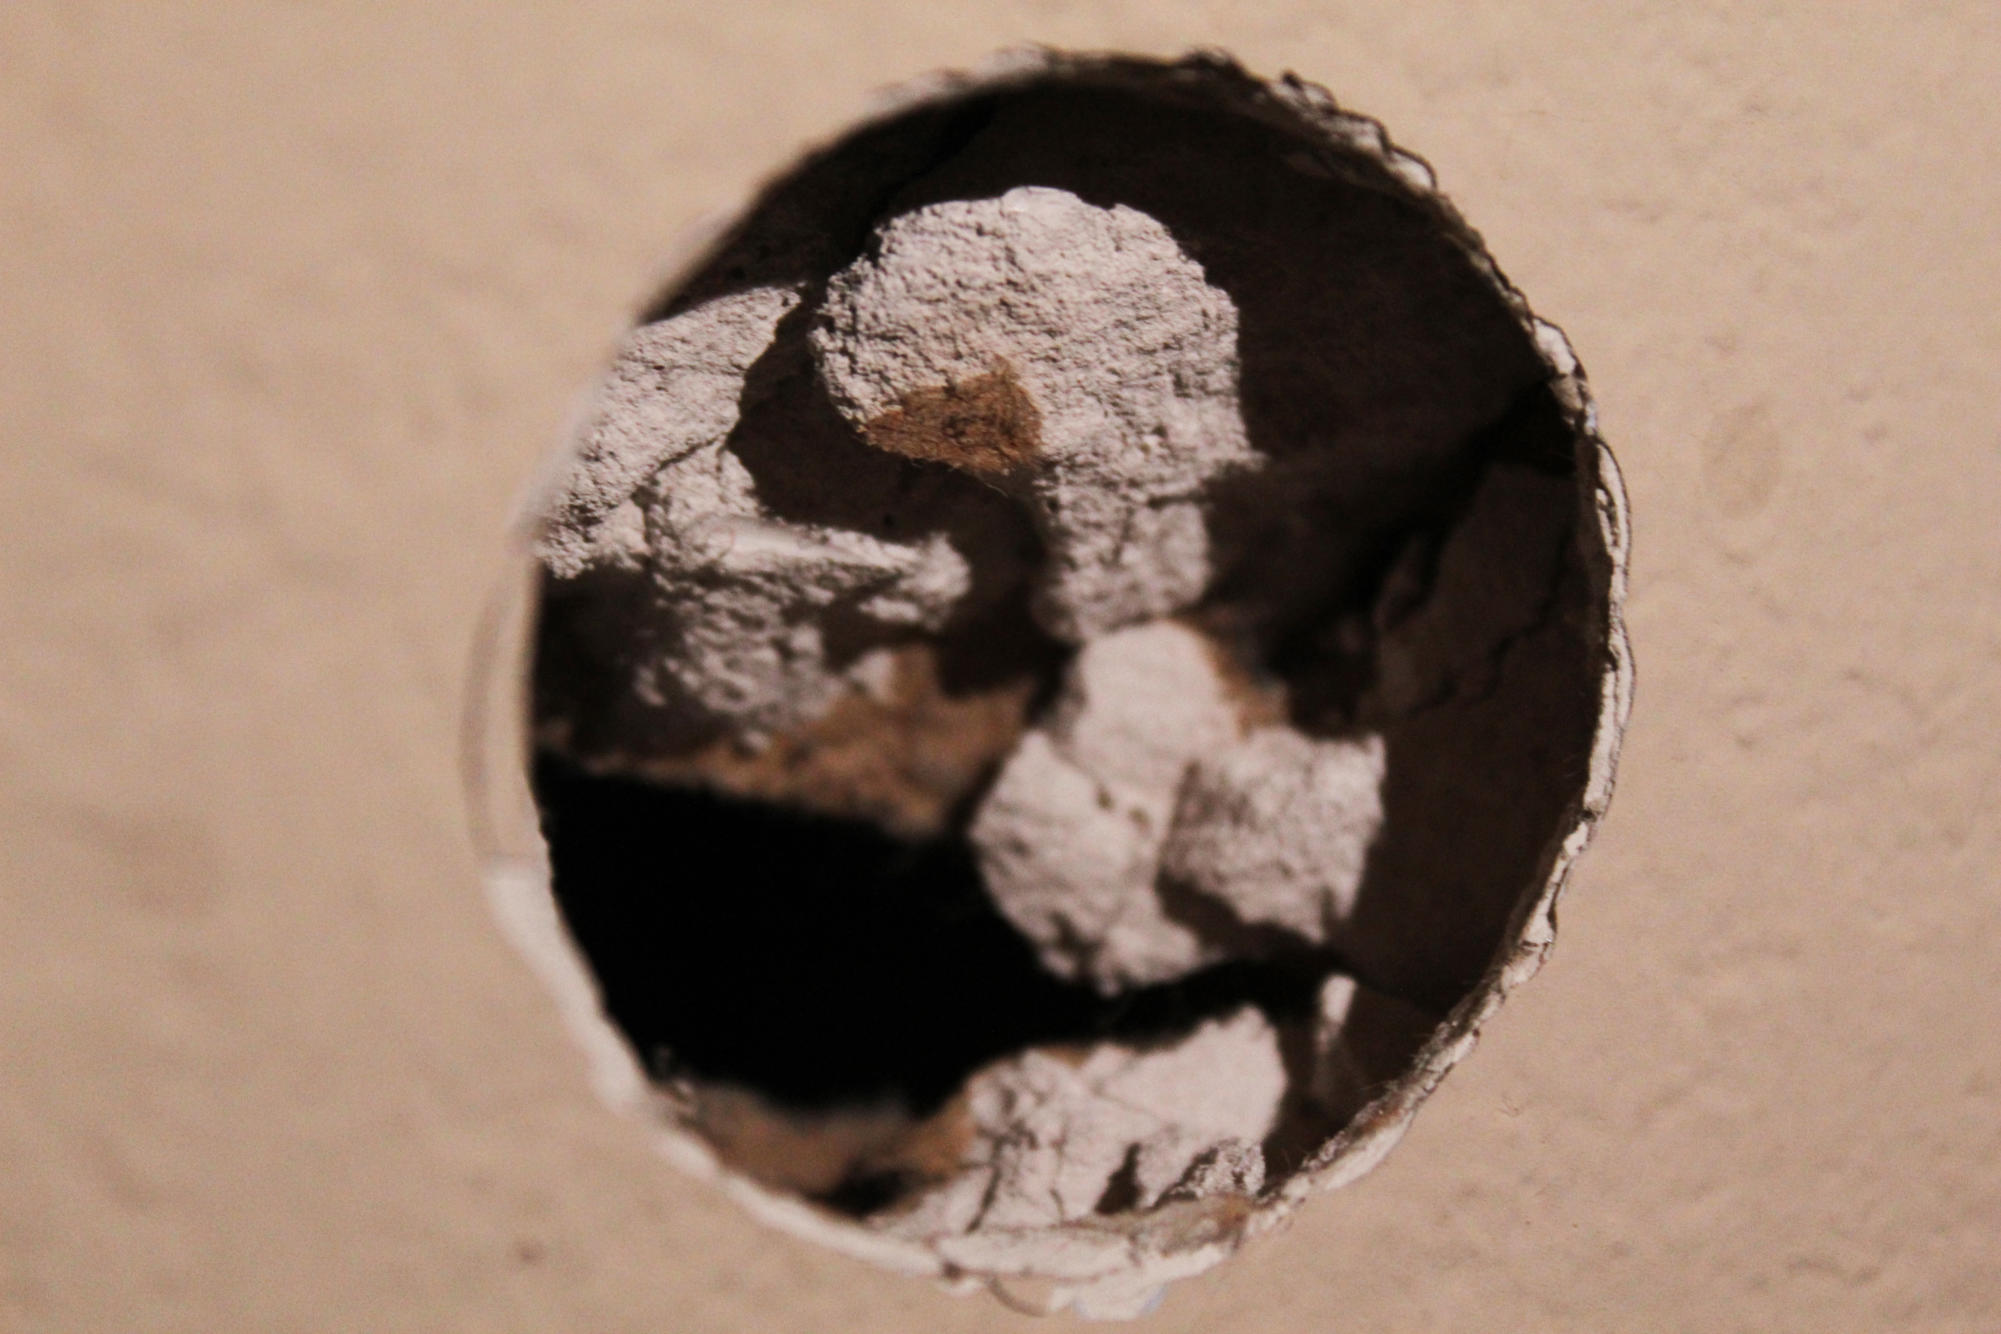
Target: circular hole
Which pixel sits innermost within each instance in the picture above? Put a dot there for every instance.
(1071, 653)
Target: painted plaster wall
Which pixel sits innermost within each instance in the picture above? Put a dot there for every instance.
(296, 295)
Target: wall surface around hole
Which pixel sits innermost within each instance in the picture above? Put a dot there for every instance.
(296, 299)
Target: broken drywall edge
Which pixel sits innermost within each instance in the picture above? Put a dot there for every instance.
(1377, 1128)
(518, 894)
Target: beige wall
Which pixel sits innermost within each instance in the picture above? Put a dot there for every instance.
(291, 298)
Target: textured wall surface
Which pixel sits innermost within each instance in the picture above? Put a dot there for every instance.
(294, 298)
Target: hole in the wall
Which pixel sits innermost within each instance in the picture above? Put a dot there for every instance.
(826, 964)
(1066, 647)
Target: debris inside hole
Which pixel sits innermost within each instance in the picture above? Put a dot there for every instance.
(1063, 649)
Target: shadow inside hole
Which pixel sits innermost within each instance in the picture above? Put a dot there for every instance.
(819, 961)
(1502, 772)
(594, 635)
(825, 963)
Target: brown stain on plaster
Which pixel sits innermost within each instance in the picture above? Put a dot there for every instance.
(905, 760)
(987, 426)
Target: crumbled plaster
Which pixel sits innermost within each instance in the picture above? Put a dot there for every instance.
(1277, 829)
(671, 391)
(656, 487)
(1143, 782)
(1159, 817)
(1065, 1135)
(1069, 836)
(1195, 584)
(1071, 1135)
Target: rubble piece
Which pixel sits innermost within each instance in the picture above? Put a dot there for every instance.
(1057, 1136)
(1276, 829)
(753, 593)
(1140, 704)
(1062, 1136)
(778, 549)
(657, 485)
(1069, 836)
(899, 748)
(673, 388)
(1141, 789)
(1069, 352)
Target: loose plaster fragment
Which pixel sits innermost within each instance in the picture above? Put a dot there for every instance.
(1065, 1136)
(1277, 828)
(753, 593)
(1141, 790)
(672, 389)
(1068, 1135)
(754, 599)
(1069, 838)
(1073, 351)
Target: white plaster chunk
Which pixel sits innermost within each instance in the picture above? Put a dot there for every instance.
(1230, 1167)
(673, 387)
(1219, 1089)
(1065, 856)
(655, 487)
(1127, 354)
(1278, 828)
(1057, 1137)
(1069, 836)
(749, 594)
(1138, 705)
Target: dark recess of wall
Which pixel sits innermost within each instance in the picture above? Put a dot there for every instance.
(821, 961)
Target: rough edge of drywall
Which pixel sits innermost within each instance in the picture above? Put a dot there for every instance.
(1116, 1269)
